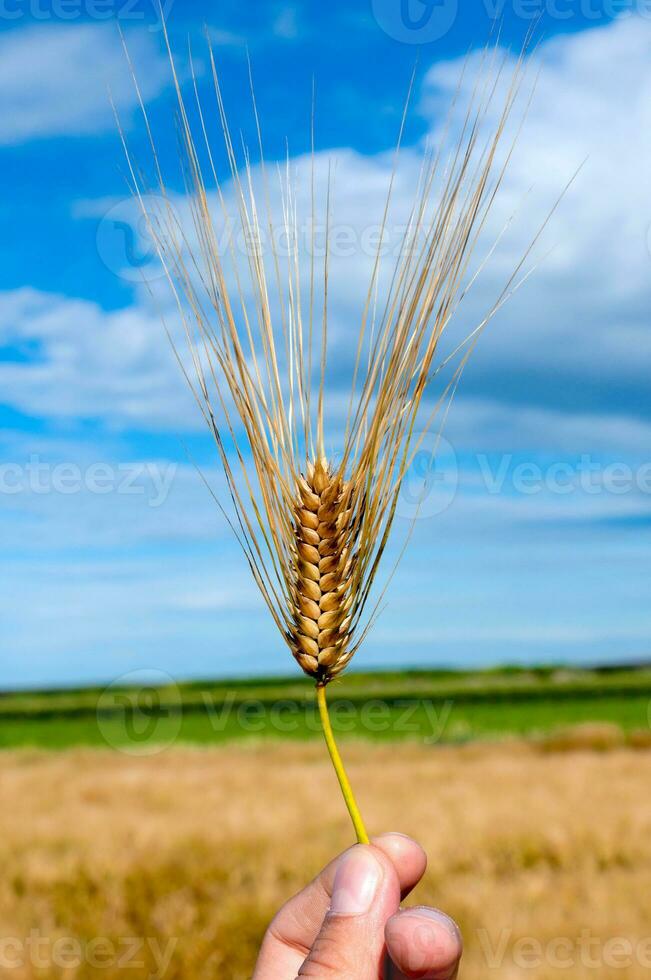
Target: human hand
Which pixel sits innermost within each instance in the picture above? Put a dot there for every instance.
(346, 924)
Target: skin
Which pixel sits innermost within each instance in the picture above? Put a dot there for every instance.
(347, 923)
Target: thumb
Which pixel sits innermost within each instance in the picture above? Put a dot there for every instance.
(365, 893)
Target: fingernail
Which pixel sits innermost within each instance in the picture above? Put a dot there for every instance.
(396, 833)
(356, 882)
(435, 915)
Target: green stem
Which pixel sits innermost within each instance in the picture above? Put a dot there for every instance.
(346, 789)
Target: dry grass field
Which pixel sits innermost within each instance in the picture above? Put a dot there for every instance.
(170, 866)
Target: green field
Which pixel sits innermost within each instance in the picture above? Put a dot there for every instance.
(430, 706)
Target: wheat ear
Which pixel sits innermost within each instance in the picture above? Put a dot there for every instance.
(314, 531)
(320, 637)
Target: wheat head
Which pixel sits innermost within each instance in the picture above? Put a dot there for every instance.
(325, 555)
(313, 530)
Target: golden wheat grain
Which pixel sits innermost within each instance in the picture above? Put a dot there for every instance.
(325, 555)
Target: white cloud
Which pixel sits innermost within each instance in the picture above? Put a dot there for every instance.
(55, 79)
(285, 23)
(107, 583)
(223, 38)
(499, 426)
(116, 366)
(566, 361)
(564, 365)
(583, 318)
(86, 620)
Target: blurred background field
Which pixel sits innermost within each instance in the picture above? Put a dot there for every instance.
(529, 790)
(431, 706)
(193, 850)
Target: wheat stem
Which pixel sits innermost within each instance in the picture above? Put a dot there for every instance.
(346, 788)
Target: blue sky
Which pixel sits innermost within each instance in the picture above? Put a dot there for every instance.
(532, 542)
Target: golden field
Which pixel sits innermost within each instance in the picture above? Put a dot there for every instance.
(170, 866)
